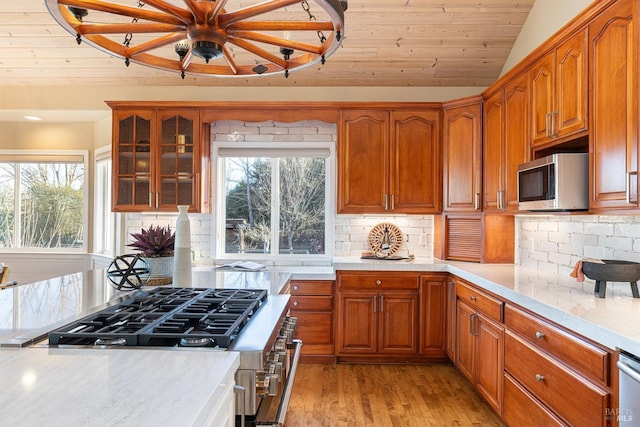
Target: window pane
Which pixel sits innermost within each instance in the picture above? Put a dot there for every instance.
(7, 204)
(248, 205)
(104, 218)
(51, 205)
(302, 206)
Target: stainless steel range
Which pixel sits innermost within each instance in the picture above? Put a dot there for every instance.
(245, 320)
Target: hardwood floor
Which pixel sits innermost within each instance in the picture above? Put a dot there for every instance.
(385, 395)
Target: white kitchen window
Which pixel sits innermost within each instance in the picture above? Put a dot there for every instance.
(104, 236)
(43, 200)
(274, 203)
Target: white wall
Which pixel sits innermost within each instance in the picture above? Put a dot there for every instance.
(545, 18)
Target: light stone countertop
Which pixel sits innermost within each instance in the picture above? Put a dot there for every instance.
(28, 312)
(107, 387)
(613, 321)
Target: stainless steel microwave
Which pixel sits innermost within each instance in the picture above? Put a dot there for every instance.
(559, 182)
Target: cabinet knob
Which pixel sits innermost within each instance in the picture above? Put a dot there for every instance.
(539, 335)
(296, 287)
(295, 303)
(473, 298)
(539, 378)
(378, 282)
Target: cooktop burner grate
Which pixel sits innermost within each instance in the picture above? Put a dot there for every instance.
(167, 317)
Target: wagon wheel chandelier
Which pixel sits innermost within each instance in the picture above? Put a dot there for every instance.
(226, 38)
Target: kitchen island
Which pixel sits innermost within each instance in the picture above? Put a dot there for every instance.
(28, 312)
(127, 386)
(122, 387)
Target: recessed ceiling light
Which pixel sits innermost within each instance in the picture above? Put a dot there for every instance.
(34, 118)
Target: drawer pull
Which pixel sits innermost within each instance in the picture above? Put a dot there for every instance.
(378, 282)
(295, 303)
(539, 335)
(296, 287)
(473, 298)
(539, 378)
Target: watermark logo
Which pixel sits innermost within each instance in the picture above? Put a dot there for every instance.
(623, 415)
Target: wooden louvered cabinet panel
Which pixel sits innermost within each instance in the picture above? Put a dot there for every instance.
(486, 238)
(464, 238)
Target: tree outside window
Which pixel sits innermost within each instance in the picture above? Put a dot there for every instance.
(291, 189)
(42, 204)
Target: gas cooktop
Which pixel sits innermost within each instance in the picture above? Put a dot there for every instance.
(188, 317)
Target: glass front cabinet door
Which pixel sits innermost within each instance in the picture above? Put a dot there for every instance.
(158, 160)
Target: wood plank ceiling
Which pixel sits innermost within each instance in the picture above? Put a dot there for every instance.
(388, 43)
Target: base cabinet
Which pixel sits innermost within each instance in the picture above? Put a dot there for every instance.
(553, 373)
(479, 352)
(571, 396)
(312, 305)
(522, 409)
(433, 309)
(377, 314)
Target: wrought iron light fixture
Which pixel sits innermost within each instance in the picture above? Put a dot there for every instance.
(208, 37)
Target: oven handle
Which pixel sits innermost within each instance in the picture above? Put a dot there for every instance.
(237, 389)
(286, 396)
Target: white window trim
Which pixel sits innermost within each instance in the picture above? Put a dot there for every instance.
(218, 176)
(102, 154)
(38, 155)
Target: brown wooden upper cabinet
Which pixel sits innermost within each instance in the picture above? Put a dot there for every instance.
(462, 155)
(389, 161)
(559, 92)
(158, 161)
(506, 144)
(613, 56)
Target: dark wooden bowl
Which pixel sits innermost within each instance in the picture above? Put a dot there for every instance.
(612, 270)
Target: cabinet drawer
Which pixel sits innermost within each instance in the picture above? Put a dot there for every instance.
(311, 287)
(488, 305)
(312, 303)
(314, 328)
(573, 398)
(522, 409)
(382, 280)
(582, 356)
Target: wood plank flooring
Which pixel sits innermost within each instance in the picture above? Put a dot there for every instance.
(327, 395)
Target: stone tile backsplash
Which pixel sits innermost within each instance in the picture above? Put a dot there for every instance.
(352, 232)
(554, 243)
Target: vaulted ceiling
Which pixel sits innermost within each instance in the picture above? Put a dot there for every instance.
(388, 43)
